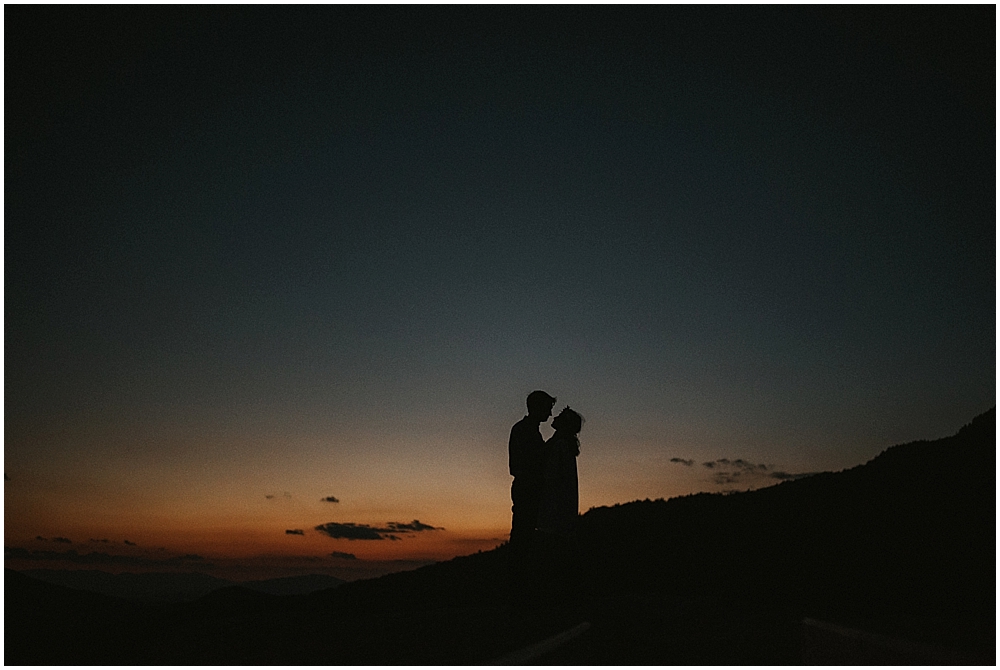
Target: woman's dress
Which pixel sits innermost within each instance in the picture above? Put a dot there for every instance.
(560, 496)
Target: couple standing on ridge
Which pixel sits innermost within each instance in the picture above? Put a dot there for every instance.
(545, 492)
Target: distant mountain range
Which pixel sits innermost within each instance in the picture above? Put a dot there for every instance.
(903, 546)
(175, 587)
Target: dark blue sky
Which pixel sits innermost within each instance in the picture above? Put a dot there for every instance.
(715, 231)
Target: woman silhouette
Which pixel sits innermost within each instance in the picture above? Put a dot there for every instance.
(560, 495)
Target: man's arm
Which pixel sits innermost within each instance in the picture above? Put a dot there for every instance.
(515, 450)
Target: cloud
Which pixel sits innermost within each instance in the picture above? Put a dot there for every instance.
(330, 499)
(739, 464)
(743, 472)
(269, 497)
(735, 471)
(40, 538)
(362, 531)
(296, 531)
(786, 476)
(350, 531)
(99, 558)
(412, 527)
(344, 555)
(63, 540)
(131, 544)
(105, 541)
(745, 465)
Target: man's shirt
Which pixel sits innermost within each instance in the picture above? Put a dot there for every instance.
(526, 450)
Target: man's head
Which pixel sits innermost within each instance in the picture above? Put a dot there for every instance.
(540, 405)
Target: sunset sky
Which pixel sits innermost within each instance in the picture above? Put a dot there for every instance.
(257, 258)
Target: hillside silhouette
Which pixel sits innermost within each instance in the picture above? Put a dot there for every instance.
(903, 546)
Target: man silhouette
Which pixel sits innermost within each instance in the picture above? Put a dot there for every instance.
(526, 451)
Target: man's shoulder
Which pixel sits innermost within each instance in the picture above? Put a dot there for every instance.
(523, 427)
(519, 425)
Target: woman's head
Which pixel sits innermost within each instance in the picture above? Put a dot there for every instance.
(568, 421)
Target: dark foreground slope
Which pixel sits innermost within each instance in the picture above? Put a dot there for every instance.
(904, 545)
(174, 587)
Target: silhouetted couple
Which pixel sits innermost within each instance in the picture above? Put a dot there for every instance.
(545, 492)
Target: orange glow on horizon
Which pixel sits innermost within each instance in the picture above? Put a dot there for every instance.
(234, 503)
